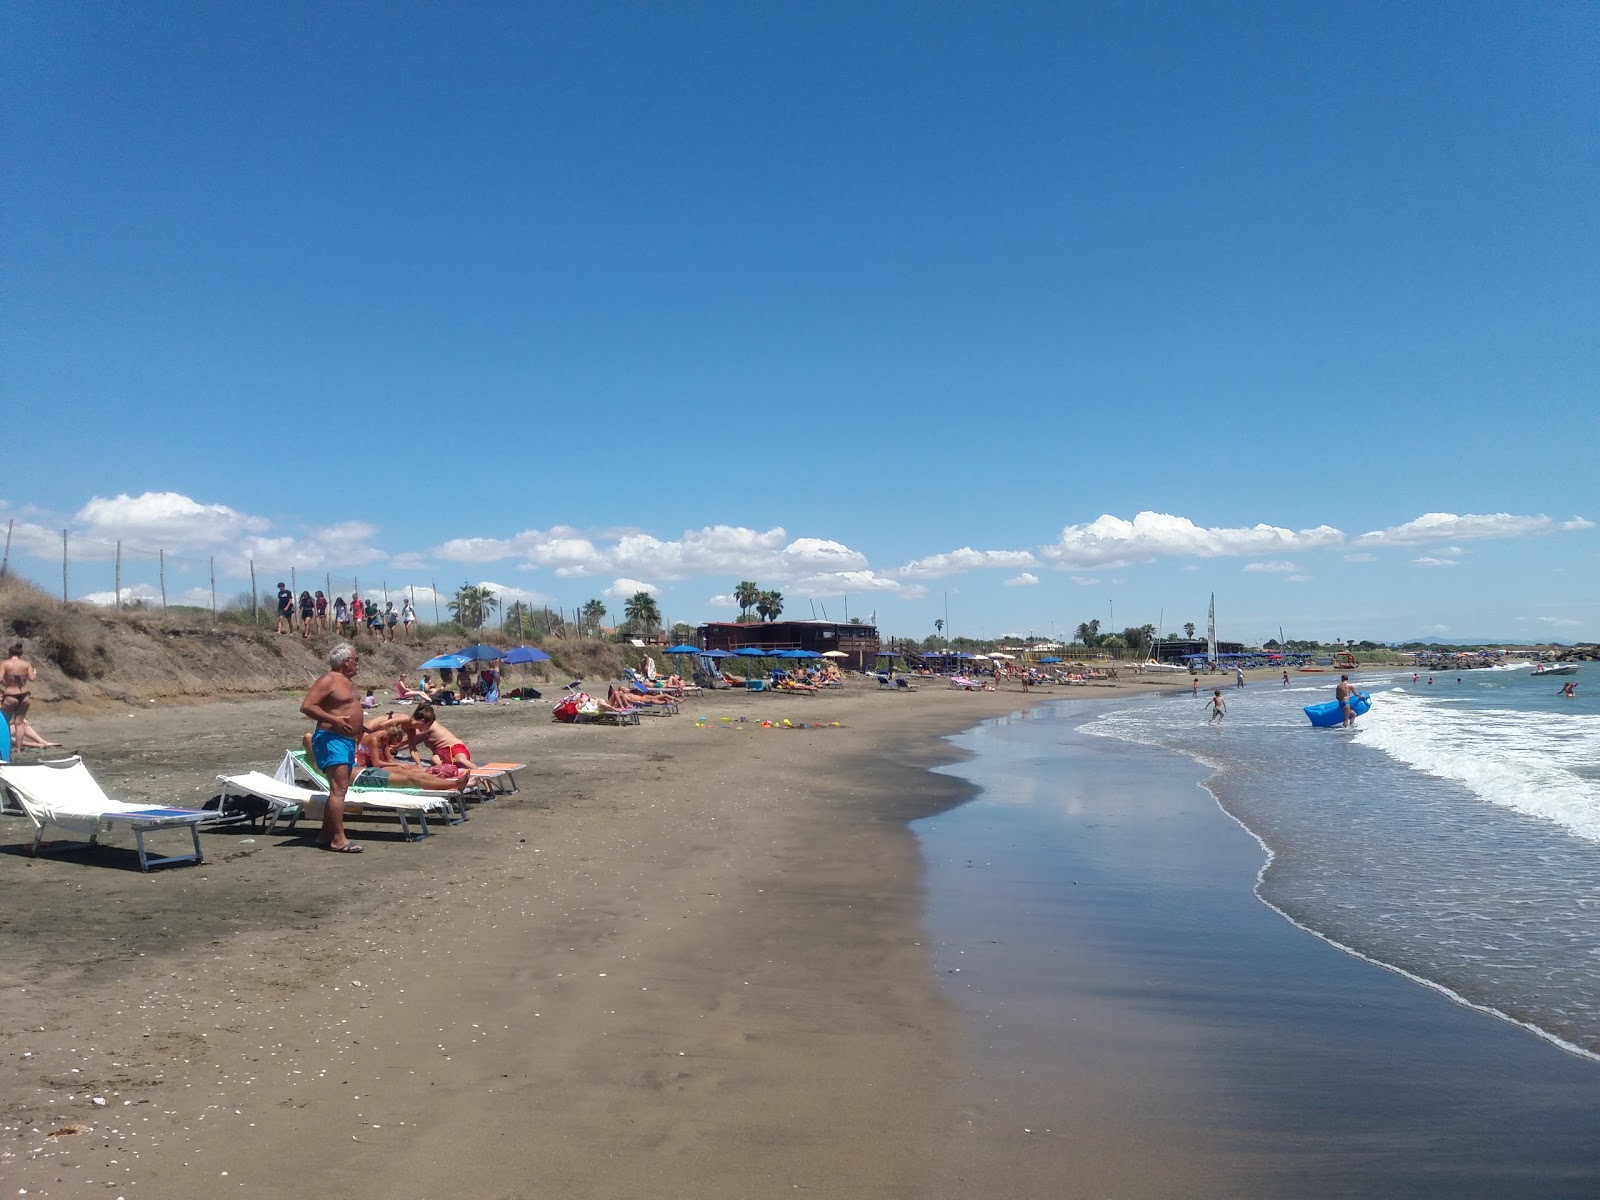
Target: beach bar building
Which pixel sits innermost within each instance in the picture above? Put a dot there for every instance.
(858, 642)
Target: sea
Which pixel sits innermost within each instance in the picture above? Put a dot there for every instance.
(1447, 849)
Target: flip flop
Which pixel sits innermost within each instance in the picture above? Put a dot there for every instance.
(347, 848)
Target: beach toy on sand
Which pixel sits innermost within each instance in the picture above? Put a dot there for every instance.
(1326, 716)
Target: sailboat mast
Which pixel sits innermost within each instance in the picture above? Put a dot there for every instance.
(1211, 630)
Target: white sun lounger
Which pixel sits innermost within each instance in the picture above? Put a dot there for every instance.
(283, 800)
(402, 802)
(63, 793)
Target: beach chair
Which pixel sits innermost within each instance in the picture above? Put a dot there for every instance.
(402, 803)
(499, 779)
(255, 797)
(63, 793)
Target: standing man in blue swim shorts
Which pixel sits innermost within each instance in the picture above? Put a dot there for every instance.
(334, 705)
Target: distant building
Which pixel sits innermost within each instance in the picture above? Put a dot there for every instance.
(858, 642)
(1173, 649)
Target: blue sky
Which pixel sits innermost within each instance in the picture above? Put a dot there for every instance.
(1042, 312)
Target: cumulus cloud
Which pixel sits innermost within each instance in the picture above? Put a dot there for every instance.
(966, 559)
(1113, 541)
(142, 592)
(509, 594)
(1277, 567)
(844, 583)
(1434, 562)
(167, 520)
(1477, 527)
(623, 589)
(713, 550)
(1560, 622)
(1026, 579)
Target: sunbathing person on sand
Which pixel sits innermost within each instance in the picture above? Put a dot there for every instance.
(622, 700)
(376, 766)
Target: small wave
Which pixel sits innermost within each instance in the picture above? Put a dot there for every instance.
(1532, 763)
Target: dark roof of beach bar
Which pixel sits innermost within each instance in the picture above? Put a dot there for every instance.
(858, 641)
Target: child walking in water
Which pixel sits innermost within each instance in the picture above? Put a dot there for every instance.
(1219, 707)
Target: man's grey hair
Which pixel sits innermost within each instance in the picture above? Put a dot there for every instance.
(340, 654)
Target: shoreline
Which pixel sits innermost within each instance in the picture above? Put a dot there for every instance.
(1139, 1022)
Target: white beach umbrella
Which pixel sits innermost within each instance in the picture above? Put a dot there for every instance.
(997, 654)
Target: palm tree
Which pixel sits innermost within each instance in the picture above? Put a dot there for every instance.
(642, 612)
(594, 611)
(1088, 634)
(472, 605)
(769, 605)
(938, 626)
(1188, 630)
(746, 595)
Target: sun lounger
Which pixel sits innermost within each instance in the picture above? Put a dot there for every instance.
(498, 778)
(402, 802)
(63, 793)
(254, 797)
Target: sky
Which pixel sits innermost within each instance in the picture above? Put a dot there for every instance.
(1011, 316)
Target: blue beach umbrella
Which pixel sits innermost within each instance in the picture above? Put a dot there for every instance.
(480, 653)
(715, 653)
(753, 652)
(526, 654)
(438, 661)
(682, 649)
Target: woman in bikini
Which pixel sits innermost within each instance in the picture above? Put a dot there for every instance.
(16, 680)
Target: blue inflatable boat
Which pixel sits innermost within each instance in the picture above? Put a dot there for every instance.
(1326, 716)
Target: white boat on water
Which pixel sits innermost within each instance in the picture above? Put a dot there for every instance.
(1554, 669)
(1174, 668)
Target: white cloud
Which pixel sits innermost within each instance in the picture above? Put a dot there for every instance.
(1277, 567)
(966, 559)
(1026, 579)
(1448, 527)
(509, 594)
(723, 600)
(1112, 541)
(1434, 562)
(1361, 558)
(623, 589)
(1086, 580)
(1560, 622)
(166, 520)
(150, 595)
(473, 550)
(844, 583)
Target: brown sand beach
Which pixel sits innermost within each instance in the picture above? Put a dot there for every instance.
(681, 961)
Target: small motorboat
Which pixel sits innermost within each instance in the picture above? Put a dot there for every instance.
(1554, 669)
(1326, 716)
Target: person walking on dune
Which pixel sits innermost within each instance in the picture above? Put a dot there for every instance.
(334, 705)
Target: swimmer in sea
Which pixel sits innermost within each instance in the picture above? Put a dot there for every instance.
(1569, 690)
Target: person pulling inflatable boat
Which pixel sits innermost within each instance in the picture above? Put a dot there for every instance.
(1347, 705)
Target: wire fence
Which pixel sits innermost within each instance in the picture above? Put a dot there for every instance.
(122, 575)
(183, 586)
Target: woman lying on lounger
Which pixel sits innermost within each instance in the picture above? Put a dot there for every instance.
(376, 767)
(621, 701)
